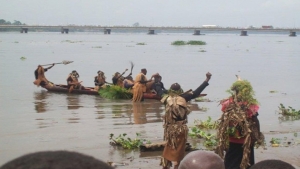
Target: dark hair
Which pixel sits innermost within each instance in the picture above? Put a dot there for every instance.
(175, 87)
(272, 164)
(56, 160)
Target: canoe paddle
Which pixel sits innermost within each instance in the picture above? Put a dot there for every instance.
(65, 62)
(132, 65)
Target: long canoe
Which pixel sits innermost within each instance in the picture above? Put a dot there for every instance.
(88, 90)
(64, 89)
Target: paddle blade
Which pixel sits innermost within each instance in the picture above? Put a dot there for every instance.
(65, 62)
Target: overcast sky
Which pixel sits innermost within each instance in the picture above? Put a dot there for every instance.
(233, 13)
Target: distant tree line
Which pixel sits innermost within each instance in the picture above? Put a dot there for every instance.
(4, 22)
(15, 22)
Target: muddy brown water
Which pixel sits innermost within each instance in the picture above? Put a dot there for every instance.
(33, 119)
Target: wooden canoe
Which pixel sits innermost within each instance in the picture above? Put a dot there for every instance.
(64, 89)
(60, 88)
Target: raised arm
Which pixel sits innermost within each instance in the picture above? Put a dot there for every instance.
(193, 94)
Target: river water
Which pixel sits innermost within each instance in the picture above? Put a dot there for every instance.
(33, 119)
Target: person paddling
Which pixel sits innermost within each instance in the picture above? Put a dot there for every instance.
(118, 78)
(39, 73)
(73, 82)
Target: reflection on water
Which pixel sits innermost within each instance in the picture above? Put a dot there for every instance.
(288, 118)
(40, 103)
(73, 101)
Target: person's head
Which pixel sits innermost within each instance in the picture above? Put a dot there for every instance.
(175, 89)
(272, 164)
(144, 71)
(201, 160)
(157, 78)
(56, 160)
(75, 74)
(100, 72)
(117, 74)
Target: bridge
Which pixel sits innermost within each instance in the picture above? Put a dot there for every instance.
(149, 29)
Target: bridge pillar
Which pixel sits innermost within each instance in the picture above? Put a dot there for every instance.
(64, 30)
(24, 30)
(107, 31)
(151, 32)
(196, 32)
(244, 33)
(292, 34)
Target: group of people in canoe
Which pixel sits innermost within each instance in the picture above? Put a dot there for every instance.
(138, 86)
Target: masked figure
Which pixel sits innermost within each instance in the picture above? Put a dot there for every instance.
(239, 126)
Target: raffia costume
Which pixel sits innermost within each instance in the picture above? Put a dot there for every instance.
(175, 129)
(175, 120)
(139, 88)
(239, 127)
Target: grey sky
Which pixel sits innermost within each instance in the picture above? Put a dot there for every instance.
(233, 13)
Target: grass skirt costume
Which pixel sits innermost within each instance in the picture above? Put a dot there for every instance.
(175, 129)
(239, 127)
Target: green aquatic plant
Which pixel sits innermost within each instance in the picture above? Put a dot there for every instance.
(127, 143)
(288, 111)
(23, 58)
(115, 92)
(207, 124)
(179, 42)
(141, 44)
(202, 99)
(209, 140)
(194, 42)
(203, 129)
(273, 91)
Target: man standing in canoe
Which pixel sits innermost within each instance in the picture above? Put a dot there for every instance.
(39, 73)
(175, 120)
(140, 86)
